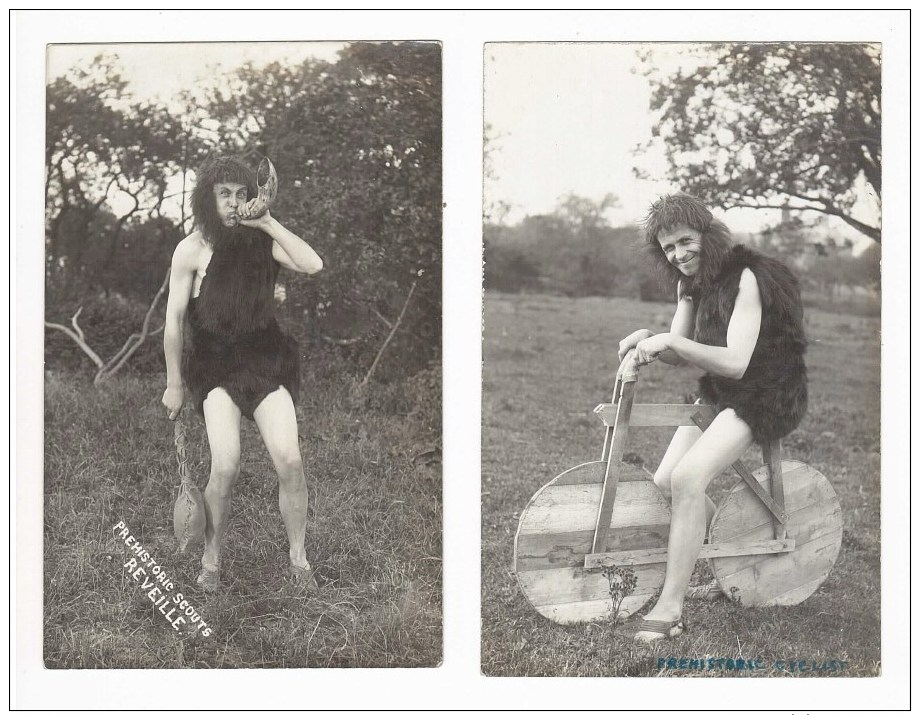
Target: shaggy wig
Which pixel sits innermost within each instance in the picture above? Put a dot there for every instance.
(220, 170)
(675, 210)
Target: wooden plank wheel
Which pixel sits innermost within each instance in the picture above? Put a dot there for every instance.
(556, 531)
(814, 521)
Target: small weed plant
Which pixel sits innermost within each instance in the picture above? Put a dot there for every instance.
(621, 582)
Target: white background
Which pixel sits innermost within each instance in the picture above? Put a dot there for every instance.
(457, 683)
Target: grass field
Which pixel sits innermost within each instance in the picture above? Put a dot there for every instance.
(373, 536)
(547, 362)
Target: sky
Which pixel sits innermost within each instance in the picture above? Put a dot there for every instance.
(160, 71)
(567, 117)
(564, 117)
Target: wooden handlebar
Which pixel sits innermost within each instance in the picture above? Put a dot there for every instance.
(627, 372)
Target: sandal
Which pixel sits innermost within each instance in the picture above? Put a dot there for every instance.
(666, 629)
(707, 592)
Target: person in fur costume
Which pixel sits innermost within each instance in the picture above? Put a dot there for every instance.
(237, 361)
(739, 319)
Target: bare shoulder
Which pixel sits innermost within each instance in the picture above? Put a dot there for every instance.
(748, 280)
(748, 290)
(188, 251)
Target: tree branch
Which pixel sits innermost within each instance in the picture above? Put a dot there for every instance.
(135, 340)
(378, 314)
(386, 342)
(105, 370)
(823, 206)
(77, 337)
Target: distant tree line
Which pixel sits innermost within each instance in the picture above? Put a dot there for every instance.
(575, 252)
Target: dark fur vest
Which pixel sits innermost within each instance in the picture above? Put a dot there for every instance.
(235, 341)
(238, 292)
(772, 396)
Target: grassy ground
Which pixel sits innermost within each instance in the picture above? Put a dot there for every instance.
(547, 362)
(374, 534)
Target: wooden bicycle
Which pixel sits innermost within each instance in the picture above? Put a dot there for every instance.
(773, 539)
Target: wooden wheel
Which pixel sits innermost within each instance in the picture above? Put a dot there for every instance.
(814, 521)
(556, 530)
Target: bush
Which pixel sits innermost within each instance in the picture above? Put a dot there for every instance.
(651, 291)
(509, 270)
(106, 323)
(546, 254)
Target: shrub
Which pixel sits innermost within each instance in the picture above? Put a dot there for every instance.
(106, 323)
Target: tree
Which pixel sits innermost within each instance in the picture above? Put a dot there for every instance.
(494, 211)
(357, 146)
(573, 251)
(793, 126)
(585, 215)
(99, 145)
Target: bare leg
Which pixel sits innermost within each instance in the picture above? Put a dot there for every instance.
(684, 438)
(727, 438)
(277, 422)
(222, 420)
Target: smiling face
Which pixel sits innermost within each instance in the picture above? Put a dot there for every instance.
(682, 246)
(229, 198)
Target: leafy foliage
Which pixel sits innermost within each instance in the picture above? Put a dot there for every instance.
(573, 251)
(357, 146)
(775, 125)
(101, 145)
(621, 582)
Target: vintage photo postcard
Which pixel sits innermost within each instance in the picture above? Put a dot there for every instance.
(242, 356)
(301, 295)
(681, 359)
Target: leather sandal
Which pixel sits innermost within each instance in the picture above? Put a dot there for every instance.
(706, 592)
(665, 628)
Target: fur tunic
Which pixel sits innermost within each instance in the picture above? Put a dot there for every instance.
(772, 396)
(235, 341)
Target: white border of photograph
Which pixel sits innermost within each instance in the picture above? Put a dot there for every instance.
(457, 683)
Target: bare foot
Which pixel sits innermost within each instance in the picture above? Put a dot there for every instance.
(302, 578)
(208, 579)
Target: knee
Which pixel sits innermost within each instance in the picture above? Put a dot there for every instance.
(223, 476)
(662, 480)
(686, 481)
(290, 467)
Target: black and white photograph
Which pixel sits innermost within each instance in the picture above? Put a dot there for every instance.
(681, 235)
(242, 367)
(489, 360)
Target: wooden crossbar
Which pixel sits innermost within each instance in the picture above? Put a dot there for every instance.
(638, 557)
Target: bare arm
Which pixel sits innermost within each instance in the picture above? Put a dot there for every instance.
(181, 279)
(681, 324)
(289, 249)
(743, 329)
